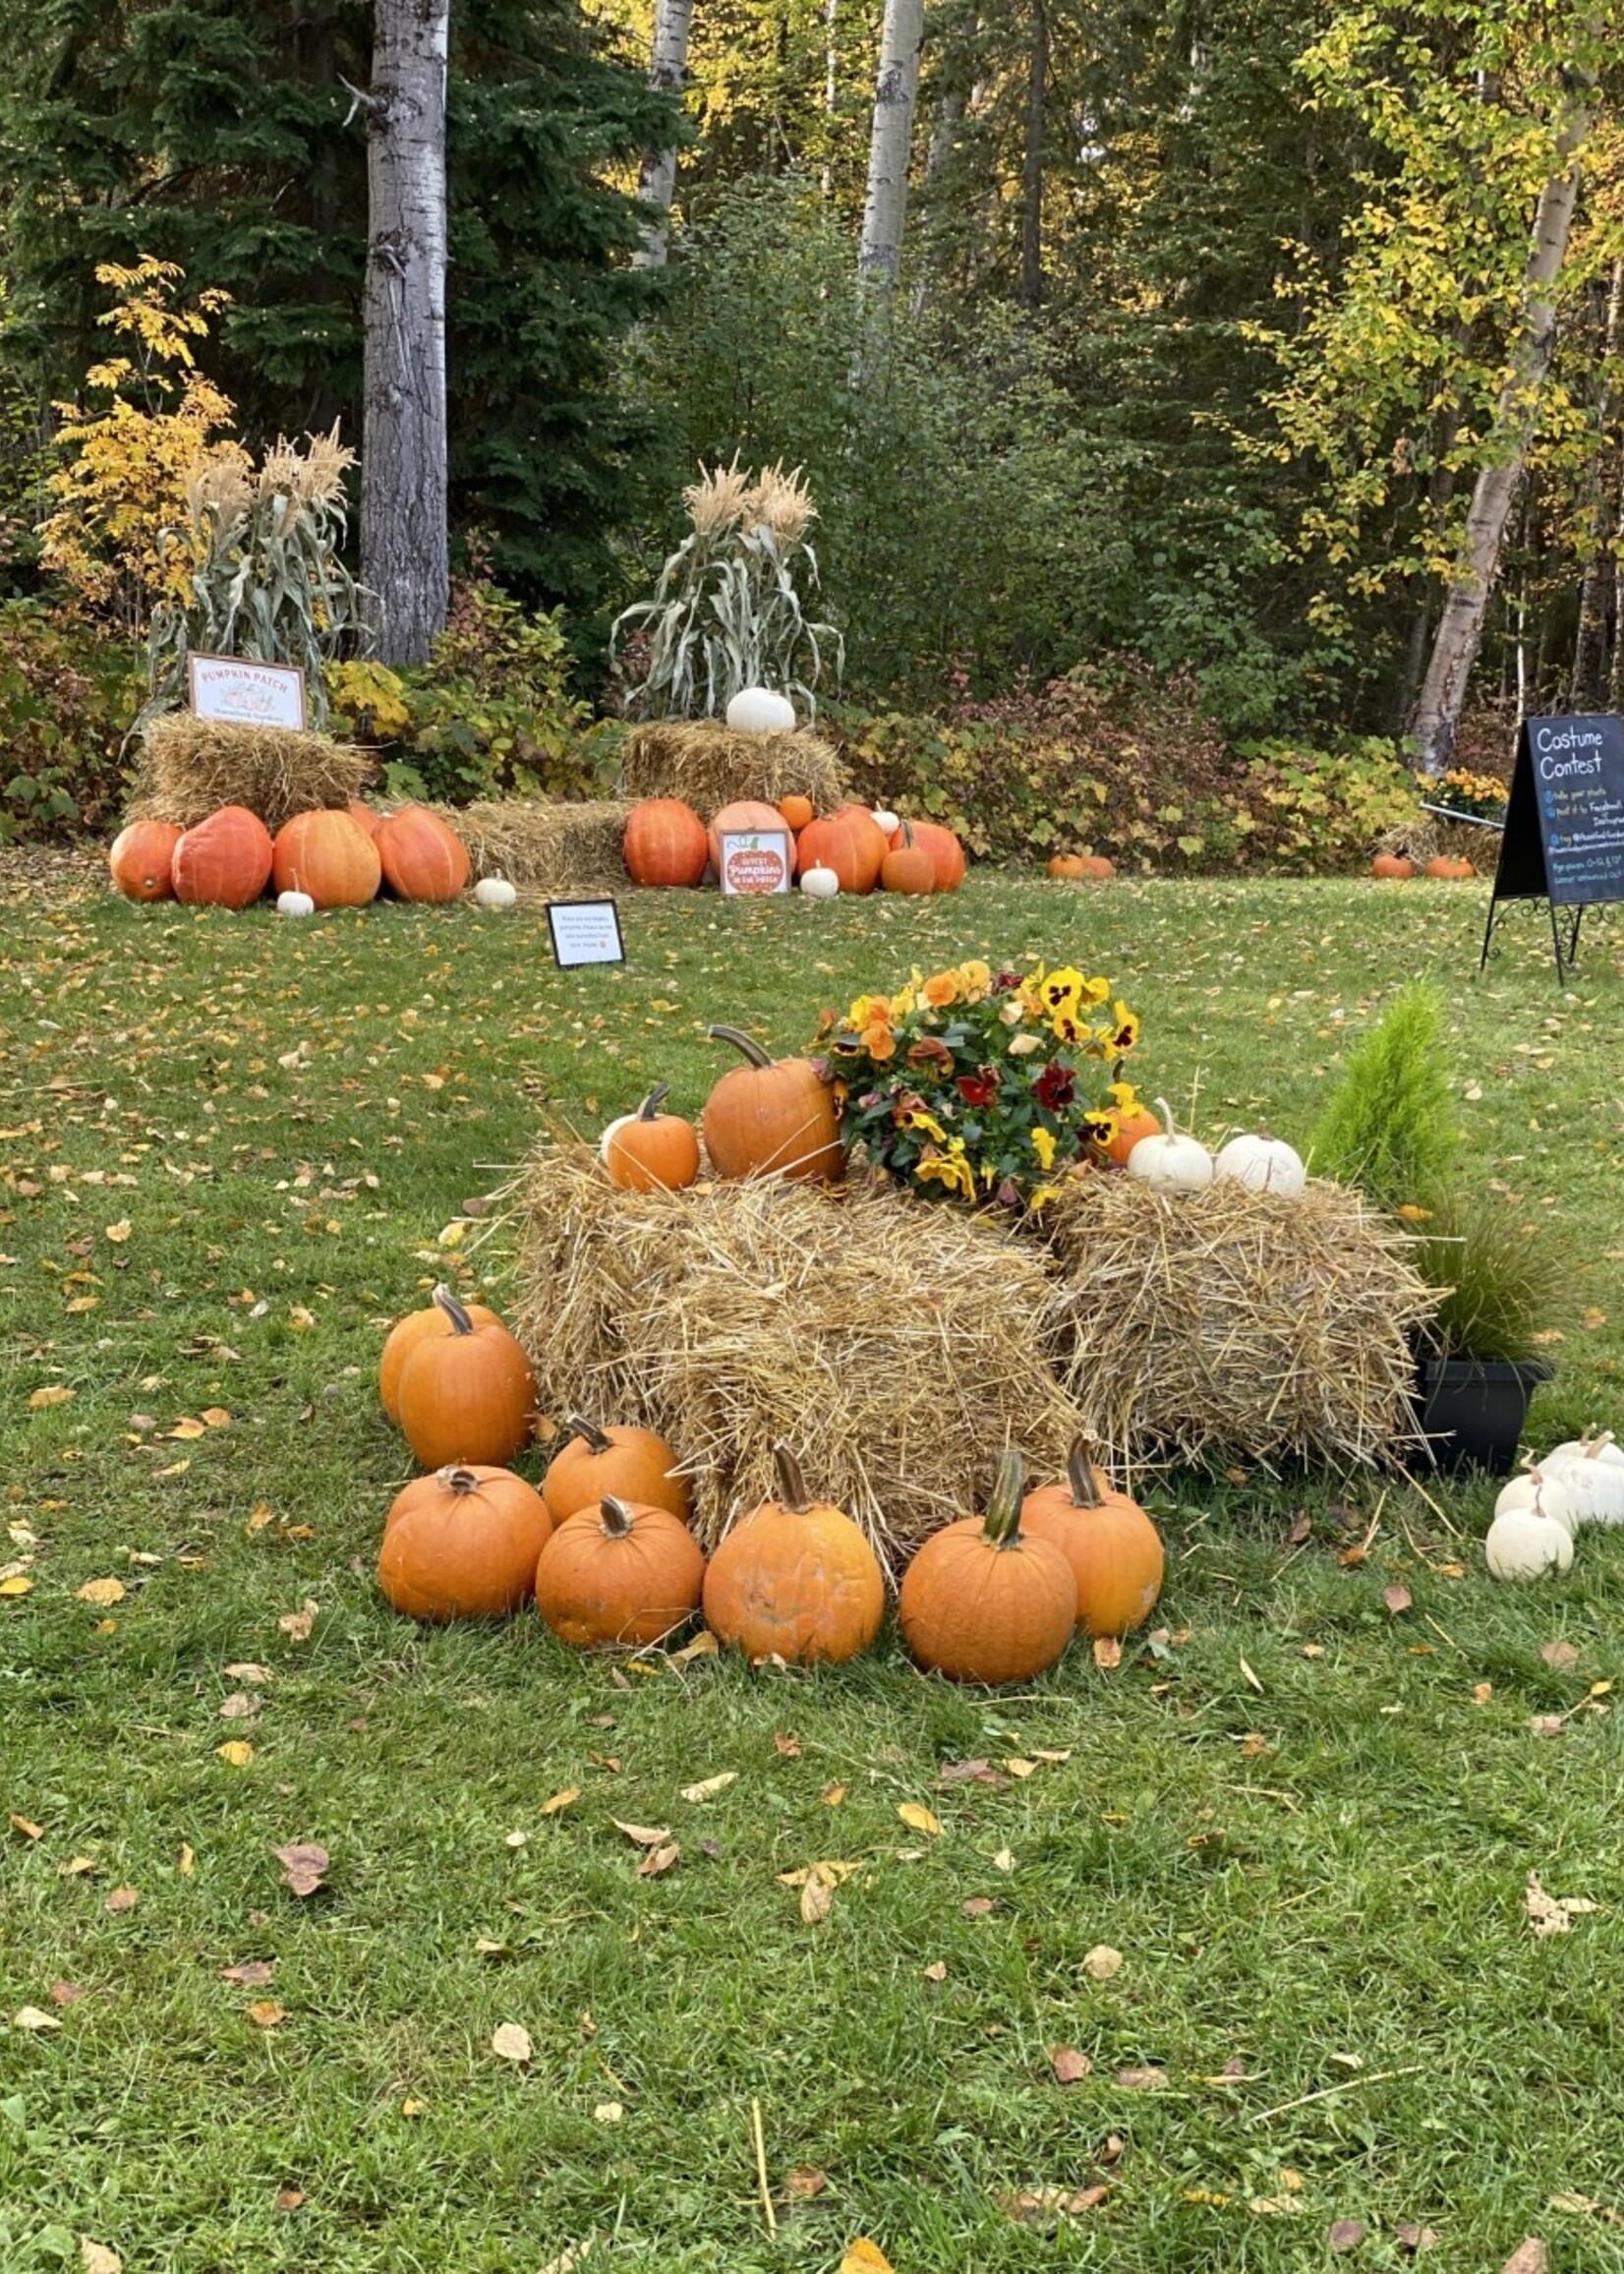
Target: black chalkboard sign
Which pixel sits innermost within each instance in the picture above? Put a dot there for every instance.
(1564, 829)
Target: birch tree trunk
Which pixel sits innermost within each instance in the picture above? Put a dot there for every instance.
(1590, 642)
(404, 541)
(1031, 176)
(668, 72)
(895, 93)
(1472, 579)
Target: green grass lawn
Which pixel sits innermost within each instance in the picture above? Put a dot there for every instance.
(1306, 1821)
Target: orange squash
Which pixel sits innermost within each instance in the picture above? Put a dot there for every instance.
(618, 1576)
(796, 1579)
(774, 1116)
(850, 842)
(1395, 864)
(630, 1463)
(982, 1601)
(403, 1338)
(1445, 865)
(1131, 1127)
(665, 843)
(745, 813)
(141, 857)
(944, 848)
(909, 868)
(423, 859)
(1113, 1550)
(467, 1396)
(225, 862)
(329, 855)
(798, 811)
(647, 1150)
(365, 816)
(463, 1544)
(1066, 867)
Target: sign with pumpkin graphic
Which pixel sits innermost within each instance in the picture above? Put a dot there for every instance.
(756, 860)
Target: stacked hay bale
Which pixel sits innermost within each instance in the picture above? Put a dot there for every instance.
(566, 850)
(191, 766)
(709, 765)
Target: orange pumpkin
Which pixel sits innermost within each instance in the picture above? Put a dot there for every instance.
(141, 859)
(1099, 865)
(665, 842)
(330, 856)
(744, 813)
(774, 1116)
(798, 811)
(1131, 1127)
(982, 1601)
(468, 1395)
(1066, 867)
(909, 867)
(796, 1579)
(365, 816)
(463, 1544)
(224, 862)
(1445, 865)
(403, 1338)
(648, 1150)
(944, 848)
(1392, 864)
(422, 857)
(630, 1463)
(850, 842)
(618, 1576)
(1113, 1550)
(1080, 867)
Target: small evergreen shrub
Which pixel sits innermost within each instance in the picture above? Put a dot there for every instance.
(1389, 1125)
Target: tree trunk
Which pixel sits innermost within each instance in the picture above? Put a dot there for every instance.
(1466, 601)
(404, 543)
(896, 93)
(669, 72)
(1590, 643)
(831, 86)
(1031, 173)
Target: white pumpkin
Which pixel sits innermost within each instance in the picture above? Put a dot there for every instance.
(1545, 1482)
(495, 892)
(1581, 1484)
(292, 904)
(759, 711)
(820, 884)
(1595, 1445)
(1527, 1542)
(891, 823)
(1171, 1163)
(1267, 1165)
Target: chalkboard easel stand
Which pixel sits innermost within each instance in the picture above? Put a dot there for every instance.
(1563, 837)
(1567, 955)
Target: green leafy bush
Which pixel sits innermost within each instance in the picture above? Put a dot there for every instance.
(68, 693)
(1511, 1284)
(1389, 1124)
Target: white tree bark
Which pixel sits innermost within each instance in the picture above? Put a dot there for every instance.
(1597, 580)
(896, 94)
(1506, 446)
(404, 540)
(669, 72)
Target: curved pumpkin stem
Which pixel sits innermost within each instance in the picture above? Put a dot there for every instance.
(1596, 1442)
(595, 1439)
(793, 1489)
(751, 1048)
(458, 1480)
(1166, 1111)
(908, 835)
(444, 1300)
(1002, 1522)
(1079, 1471)
(655, 1098)
(616, 1516)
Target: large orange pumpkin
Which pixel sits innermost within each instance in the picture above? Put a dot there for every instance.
(1113, 1550)
(365, 816)
(796, 1579)
(327, 855)
(1394, 864)
(909, 868)
(1066, 867)
(630, 1463)
(944, 848)
(1446, 866)
(744, 813)
(850, 842)
(463, 1544)
(403, 1338)
(141, 857)
(982, 1601)
(225, 862)
(647, 1150)
(423, 859)
(468, 1395)
(665, 843)
(773, 1118)
(619, 1575)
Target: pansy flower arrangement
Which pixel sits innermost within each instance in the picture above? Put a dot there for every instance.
(978, 1088)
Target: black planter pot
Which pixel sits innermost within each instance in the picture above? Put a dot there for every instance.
(1471, 1411)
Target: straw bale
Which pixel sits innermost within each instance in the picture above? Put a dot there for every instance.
(705, 764)
(541, 846)
(190, 767)
(1236, 1324)
(896, 1345)
(1426, 837)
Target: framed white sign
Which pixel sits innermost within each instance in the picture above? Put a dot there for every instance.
(756, 860)
(584, 932)
(247, 694)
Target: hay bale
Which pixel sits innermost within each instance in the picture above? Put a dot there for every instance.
(1427, 836)
(191, 766)
(539, 847)
(894, 1344)
(708, 765)
(1236, 1324)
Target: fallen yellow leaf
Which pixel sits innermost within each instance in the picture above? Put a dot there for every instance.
(102, 1592)
(865, 2257)
(560, 1800)
(920, 1819)
(17, 1584)
(236, 1752)
(54, 1393)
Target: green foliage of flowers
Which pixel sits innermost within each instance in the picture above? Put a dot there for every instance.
(1389, 1124)
(68, 693)
(969, 1086)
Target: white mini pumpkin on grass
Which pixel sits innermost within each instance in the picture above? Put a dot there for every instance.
(495, 892)
(1527, 1542)
(292, 904)
(820, 884)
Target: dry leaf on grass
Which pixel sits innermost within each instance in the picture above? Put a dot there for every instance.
(1069, 2065)
(1149, 2080)
(236, 1752)
(1102, 1962)
(102, 1592)
(1034, 2203)
(99, 2258)
(264, 2013)
(862, 2256)
(1529, 2258)
(1346, 2234)
(305, 1866)
(26, 1829)
(643, 1835)
(658, 1860)
(510, 2041)
(1552, 1914)
(1396, 1598)
(711, 1786)
(803, 2182)
(297, 1624)
(122, 1899)
(31, 2017)
(919, 1819)
(252, 1974)
(1413, 2239)
(937, 1971)
(607, 2112)
(241, 1706)
(560, 1800)
(1560, 1654)
(1107, 1653)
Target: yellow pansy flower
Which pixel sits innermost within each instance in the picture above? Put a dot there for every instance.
(976, 981)
(919, 1120)
(941, 989)
(1123, 1031)
(1043, 1144)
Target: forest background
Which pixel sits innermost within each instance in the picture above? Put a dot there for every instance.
(1207, 317)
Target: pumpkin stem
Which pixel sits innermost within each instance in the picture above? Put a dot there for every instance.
(793, 1489)
(908, 835)
(617, 1517)
(655, 1098)
(1596, 1442)
(459, 1480)
(1166, 1111)
(751, 1048)
(1002, 1522)
(1080, 1470)
(444, 1300)
(595, 1441)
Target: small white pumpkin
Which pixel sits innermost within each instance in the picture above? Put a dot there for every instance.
(495, 892)
(1592, 1484)
(820, 884)
(759, 711)
(292, 904)
(891, 823)
(1171, 1163)
(1527, 1542)
(1267, 1165)
(1542, 1480)
(1595, 1445)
